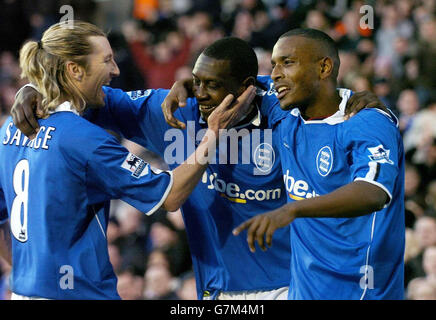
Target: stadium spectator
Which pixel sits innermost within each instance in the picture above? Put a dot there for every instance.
(165, 236)
(115, 257)
(132, 238)
(421, 133)
(158, 63)
(424, 288)
(158, 257)
(421, 289)
(407, 106)
(429, 264)
(425, 235)
(160, 284)
(412, 248)
(382, 88)
(413, 194)
(430, 199)
(187, 289)
(130, 286)
(426, 57)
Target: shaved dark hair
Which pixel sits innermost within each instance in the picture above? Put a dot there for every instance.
(243, 59)
(321, 37)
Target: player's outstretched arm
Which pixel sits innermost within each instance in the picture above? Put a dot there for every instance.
(345, 202)
(24, 110)
(180, 91)
(362, 100)
(187, 175)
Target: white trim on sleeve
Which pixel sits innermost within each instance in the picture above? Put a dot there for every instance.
(378, 184)
(164, 197)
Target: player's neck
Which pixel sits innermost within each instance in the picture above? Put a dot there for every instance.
(253, 112)
(323, 105)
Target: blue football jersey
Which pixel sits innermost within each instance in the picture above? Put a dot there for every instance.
(344, 258)
(57, 189)
(239, 185)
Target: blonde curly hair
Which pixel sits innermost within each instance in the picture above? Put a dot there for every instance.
(43, 63)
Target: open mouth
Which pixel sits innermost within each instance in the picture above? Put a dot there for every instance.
(282, 91)
(204, 108)
(105, 84)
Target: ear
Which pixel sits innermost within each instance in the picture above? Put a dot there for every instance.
(75, 71)
(246, 83)
(325, 67)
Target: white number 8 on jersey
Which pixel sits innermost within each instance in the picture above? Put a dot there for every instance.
(21, 188)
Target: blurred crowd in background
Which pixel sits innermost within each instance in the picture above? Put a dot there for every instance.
(157, 41)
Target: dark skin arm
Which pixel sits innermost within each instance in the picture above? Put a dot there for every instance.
(28, 102)
(345, 202)
(187, 175)
(176, 98)
(362, 100)
(25, 109)
(182, 89)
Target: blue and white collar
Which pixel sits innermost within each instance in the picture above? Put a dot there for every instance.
(66, 106)
(337, 117)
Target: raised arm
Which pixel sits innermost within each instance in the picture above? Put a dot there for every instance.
(147, 188)
(187, 175)
(135, 115)
(180, 91)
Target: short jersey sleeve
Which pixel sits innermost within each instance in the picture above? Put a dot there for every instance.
(115, 173)
(127, 113)
(138, 116)
(376, 149)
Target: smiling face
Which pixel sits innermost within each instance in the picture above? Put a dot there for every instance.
(212, 82)
(296, 71)
(101, 69)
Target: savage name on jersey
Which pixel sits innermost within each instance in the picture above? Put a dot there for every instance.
(56, 189)
(344, 258)
(245, 180)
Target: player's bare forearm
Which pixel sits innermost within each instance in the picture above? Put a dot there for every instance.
(187, 175)
(352, 200)
(5, 242)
